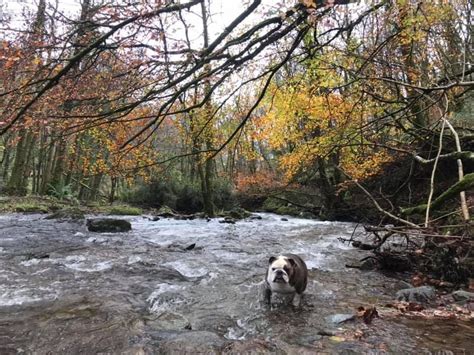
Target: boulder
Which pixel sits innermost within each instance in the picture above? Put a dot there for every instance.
(108, 225)
(166, 212)
(239, 213)
(461, 295)
(422, 294)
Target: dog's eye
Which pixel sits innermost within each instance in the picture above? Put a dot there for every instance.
(273, 269)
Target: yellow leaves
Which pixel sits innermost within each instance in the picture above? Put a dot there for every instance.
(362, 165)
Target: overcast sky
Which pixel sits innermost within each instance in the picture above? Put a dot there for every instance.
(222, 11)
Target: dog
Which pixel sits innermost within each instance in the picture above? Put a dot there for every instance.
(286, 274)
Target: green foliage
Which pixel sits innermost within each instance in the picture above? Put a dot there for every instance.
(179, 194)
(61, 191)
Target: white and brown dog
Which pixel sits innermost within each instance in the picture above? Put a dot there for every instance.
(286, 274)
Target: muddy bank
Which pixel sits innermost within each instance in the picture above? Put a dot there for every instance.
(67, 290)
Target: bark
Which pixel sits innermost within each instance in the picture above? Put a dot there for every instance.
(57, 179)
(206, 172)
(16, 184)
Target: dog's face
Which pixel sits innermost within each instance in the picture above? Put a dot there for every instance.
(280, 269)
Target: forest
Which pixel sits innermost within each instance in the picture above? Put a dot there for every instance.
(340, 110)
(170, 169)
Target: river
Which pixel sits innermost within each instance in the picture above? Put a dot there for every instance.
(172, 286)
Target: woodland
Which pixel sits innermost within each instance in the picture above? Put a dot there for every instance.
(332, 109)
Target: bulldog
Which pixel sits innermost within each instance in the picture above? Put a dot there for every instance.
(286, 274)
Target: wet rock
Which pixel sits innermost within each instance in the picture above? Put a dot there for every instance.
(401, 285)
(422, 294)
(284, 219)
(169, 321)
(239, 213)
(74, 214)
(339, 318)
(161, 273)
(327, 332)
(367, 264)
(228, 220)
(255, 217)
(166, 212)
(461, 295)
(175, 247)
(187, 342)
(251, 346)
(104, 225)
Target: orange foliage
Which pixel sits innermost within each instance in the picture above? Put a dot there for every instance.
(257, 183)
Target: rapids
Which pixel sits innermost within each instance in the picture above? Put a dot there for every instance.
(193, 286)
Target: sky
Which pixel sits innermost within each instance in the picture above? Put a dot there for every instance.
(223, 11)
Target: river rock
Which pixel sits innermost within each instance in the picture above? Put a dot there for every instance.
(169, 321)
(251, 346)
(165, 212)
(228, 220)
(187, 342)
(422, 294)
(104, 225)
(461, 295)
(339, 318)
(239, 213)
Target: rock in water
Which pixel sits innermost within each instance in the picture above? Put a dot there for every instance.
(111, 225)
(422, 294)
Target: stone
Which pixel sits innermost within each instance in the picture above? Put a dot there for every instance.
(108, 225)
(339, 318)
(461, 295)
(169, 321)
(165, 212)
(369, 264)
(228, 220)
(422, 294)
(187, 342)
(239, 213)
(251, 346)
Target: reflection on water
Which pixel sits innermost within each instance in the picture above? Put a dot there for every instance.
(66, 290)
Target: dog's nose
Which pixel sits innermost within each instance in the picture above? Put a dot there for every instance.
(279, 273)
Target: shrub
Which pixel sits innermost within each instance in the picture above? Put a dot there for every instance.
(180, 195)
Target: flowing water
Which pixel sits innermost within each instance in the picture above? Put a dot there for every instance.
(66, 290)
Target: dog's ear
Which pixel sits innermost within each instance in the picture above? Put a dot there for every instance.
(272, 259)
(293, 262)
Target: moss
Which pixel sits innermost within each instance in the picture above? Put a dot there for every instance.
(30, 208)
(464, 185)
(67, 213)
(124, 210)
